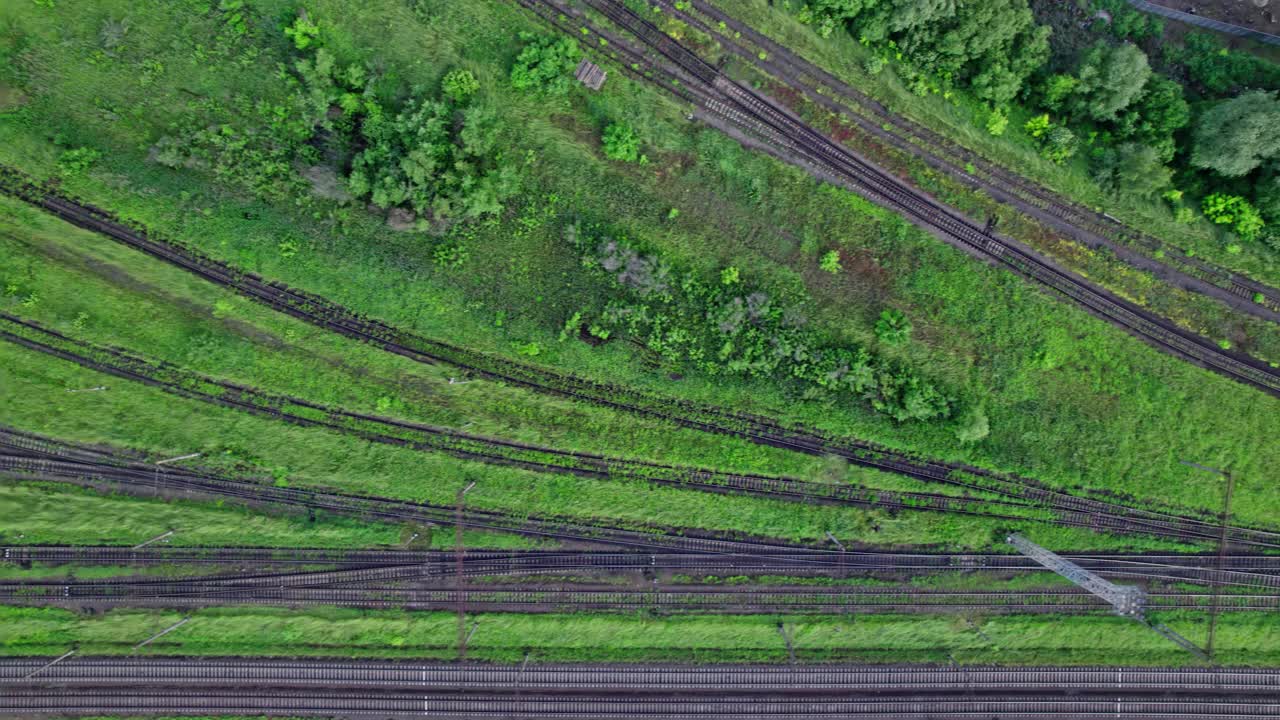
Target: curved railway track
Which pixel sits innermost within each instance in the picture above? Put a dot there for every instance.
(417, 436)
(764, 118)
(140, 478)
(700, 416)
(1095, 228)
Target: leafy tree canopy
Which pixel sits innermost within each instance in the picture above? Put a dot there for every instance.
(1110, 79)
(1236, 136)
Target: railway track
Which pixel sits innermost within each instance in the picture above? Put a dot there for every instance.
(1006, 706)
(417, 436)
(764, 118)
(425, 586)
(708, 418)
(963, 164)
(1258, 571)
(651, 678)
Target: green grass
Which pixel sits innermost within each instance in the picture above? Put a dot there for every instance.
(51, 514)
(1122, 416)
(1243, 638)
(135, 416)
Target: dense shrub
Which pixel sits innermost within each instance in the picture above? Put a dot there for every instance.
(546, 64)
(992, 45)
(721, 327)
(1235, 211)
(621, 143)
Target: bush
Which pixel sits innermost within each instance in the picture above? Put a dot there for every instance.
(1058, 145)
(830, 262)
(973, 426)
(620, 143)
(303, 32)
(458, 85)
(1235, 211)
(724, 328)
(546, 64)
(893, 327)
(76, 161)
(997, 122)
(1038, 126)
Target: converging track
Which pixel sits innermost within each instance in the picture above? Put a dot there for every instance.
(764, 430)
(23, 455)
(1257, 571)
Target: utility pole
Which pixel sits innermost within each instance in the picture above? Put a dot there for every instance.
(1216, 607)
(459, 585)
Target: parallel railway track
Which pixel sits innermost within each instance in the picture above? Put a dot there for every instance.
(417, 588)
(1007, 706)
(140, 478)
(1102, 516)
(1259, 571)
(651, 678)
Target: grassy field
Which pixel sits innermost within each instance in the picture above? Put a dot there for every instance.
(1122, 415)
(1070, 400)
(49, 514)
(1243, 638)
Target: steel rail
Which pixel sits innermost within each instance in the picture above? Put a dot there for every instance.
(481, 563)
(652, 678)
(329, 315)
(1008, 706)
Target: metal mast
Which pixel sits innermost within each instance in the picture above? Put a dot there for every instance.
(1128, 600)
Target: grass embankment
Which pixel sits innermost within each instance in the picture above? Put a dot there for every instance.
(1122, 415)
(1242, 638)
(49, 514)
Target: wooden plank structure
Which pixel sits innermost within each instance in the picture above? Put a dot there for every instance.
(590, 74)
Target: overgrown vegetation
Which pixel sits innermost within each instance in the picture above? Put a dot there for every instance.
(738, 329)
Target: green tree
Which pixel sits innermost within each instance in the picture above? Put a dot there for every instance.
(1058, 145)
(1132, 168)
(893, 326)
(973, 426)
(1236, 136)
(621, 143)
(1266, 196)
(1056, 91)
(1110, 78)
(458, 85)
(1158, 114)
